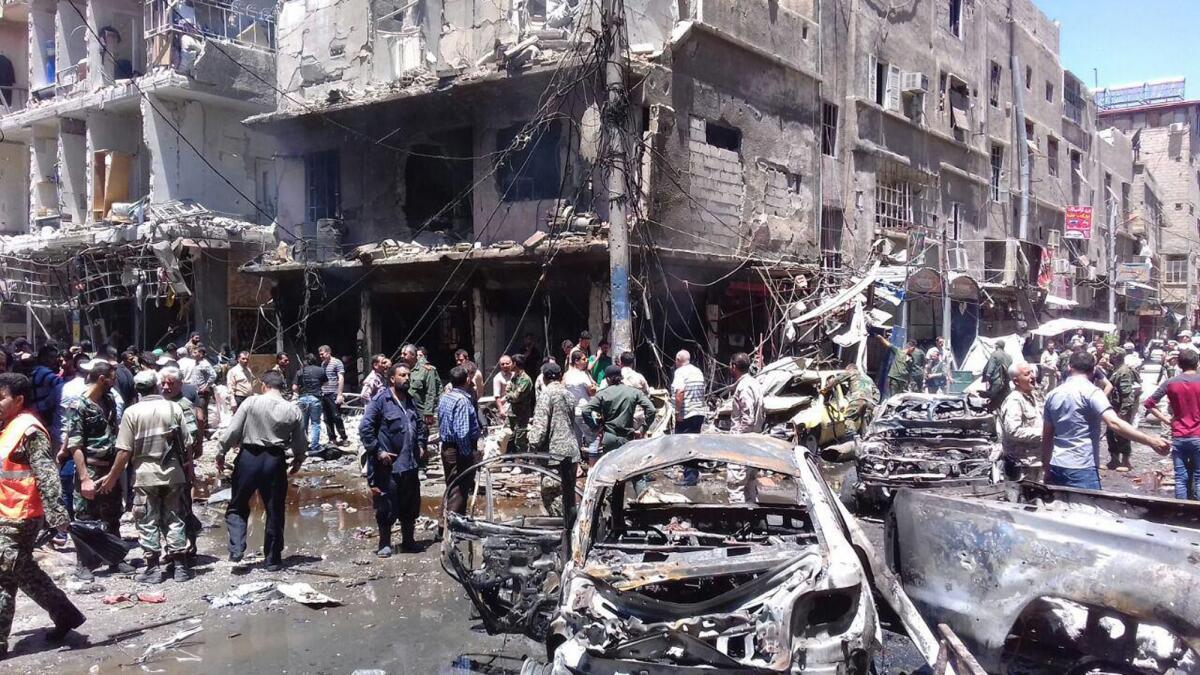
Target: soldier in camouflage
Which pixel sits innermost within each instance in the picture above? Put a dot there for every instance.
(30, 498)
(91, 431)
(1124, 399)
(171, 382)
(861, 397)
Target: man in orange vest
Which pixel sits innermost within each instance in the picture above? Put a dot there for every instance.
(30, 497)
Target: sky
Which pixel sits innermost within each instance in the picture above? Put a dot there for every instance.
(1128, 42)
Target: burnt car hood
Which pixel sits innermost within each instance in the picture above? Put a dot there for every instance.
(930, 439)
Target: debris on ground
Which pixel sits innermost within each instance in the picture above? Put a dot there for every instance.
(170, 643)
(305, 595)
(244, 594)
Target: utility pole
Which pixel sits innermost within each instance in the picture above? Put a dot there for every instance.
(1112, 255)
(947, 352)
(616, 116)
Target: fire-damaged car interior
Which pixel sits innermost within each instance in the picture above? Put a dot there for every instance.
(748, 575)
(923, 441)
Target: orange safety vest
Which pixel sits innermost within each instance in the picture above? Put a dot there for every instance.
(19, 495)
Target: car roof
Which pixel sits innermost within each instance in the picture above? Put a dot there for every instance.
(638, 457)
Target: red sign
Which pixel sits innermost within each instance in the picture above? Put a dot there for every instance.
(1078, 223)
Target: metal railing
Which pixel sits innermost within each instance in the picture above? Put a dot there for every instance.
(212, 20)
(13, 99)
(69, 78)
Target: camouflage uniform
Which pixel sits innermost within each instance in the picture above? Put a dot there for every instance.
(520, 409)
(193, 526)
(1124, 400)
(17, 537)
(425, 387)
(92, 428)
(861, 396)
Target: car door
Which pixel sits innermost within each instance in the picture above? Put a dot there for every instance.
(505, 552)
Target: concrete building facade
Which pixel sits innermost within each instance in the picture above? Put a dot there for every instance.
(118, 112)
(1167, 143)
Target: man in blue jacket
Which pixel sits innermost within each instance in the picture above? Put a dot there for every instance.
(394, 436)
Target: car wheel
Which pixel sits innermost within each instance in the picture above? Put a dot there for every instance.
(848, 493)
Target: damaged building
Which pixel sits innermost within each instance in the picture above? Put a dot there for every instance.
(454, 150)
(436, 170)
(130, 187)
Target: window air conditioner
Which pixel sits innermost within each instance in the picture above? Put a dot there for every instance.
(915, 82)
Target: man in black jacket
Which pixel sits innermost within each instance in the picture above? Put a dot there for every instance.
(394, 436)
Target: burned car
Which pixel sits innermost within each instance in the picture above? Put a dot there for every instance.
(923, 441)
(662, 578)
(1039, 579)
(796, 406)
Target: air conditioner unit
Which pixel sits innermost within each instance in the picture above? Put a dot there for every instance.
(1053, 239)
(915, 82)
(1086, 273)
(1062, 266)
(958, 259)
(1177, 128)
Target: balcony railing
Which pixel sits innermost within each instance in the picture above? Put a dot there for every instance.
(13, 99)
(211, 20)
(69, 78)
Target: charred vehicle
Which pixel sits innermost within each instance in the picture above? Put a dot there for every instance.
(668, 579)
(923, 441)
(1038, 579)
(795, 406)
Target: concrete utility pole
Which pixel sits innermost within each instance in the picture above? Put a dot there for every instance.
(616, 118)
(1020, 143)
(1112, 256)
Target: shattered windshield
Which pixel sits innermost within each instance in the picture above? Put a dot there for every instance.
(934, 416)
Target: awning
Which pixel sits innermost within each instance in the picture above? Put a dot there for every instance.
(1061, 303)
(1059, 326)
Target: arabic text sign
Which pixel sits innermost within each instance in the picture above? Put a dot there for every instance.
(1078, 223)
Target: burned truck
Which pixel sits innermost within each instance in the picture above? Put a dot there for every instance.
(1039, 579)
(752, 577)
(923, 441)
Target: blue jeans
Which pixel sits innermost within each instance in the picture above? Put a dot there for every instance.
(1185, 452)
(310, 408)
(1084, 479)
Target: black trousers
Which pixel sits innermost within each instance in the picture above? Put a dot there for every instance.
(400, 500)
(333, 417)
(263, 471)
(454, 463)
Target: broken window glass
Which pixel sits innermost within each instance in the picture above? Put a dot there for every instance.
(532, 168)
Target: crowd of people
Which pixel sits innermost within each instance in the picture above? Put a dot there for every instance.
(1052, 411)
(91, 434)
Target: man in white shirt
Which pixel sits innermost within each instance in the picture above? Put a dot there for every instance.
(500, 384)
(241, 380)
(687, 389)
(630, 376)
(748, 417)
(1049, 364)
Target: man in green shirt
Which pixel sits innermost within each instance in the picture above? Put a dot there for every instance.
(612, 410)
(519, 400)
(1124, 399)
(425, 386)
(600, 362)
(916, 374)
(995, 376)
(91, 430)
(900, 372)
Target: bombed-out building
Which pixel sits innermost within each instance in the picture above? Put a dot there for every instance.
(130, 190)
(448, 161)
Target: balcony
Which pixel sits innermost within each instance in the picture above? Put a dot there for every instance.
(170, 29)
(70, 79)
